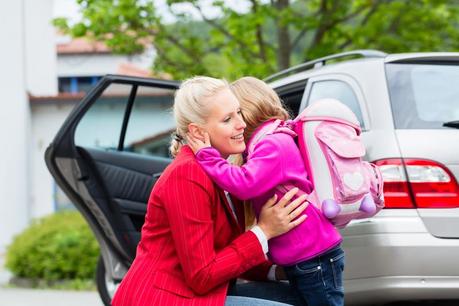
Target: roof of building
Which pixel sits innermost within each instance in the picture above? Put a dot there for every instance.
(81, 46)
(132, 70)
(60, 97)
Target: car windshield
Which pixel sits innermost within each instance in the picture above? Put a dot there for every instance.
(423, 96)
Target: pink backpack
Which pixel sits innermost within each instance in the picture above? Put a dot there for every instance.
(345, 186)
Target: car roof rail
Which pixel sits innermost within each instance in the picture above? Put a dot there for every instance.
(322, 61)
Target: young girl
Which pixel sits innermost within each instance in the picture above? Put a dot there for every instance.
(310, 253)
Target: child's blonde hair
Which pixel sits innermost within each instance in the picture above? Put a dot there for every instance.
(190, 107)
(259, 103)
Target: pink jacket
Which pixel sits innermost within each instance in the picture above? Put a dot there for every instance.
(275, 160)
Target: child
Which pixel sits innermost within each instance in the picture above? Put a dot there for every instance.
(310, 253)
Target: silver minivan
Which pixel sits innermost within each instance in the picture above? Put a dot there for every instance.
(113, 146)
(408, 106)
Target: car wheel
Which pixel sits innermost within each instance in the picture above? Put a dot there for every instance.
(105, 283)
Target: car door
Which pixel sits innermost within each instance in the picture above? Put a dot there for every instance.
(356, 243)
(109, 153)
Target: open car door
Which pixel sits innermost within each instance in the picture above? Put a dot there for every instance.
(107, 156)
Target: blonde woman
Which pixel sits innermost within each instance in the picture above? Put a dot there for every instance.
(310, 253)
(193, 245)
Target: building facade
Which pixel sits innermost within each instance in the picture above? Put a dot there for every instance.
(44, 77)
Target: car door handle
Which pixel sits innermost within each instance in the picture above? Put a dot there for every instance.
(83, 178)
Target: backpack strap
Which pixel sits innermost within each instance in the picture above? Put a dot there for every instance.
(286, 127)
(332, 119)
(260, 133)
(272, 127)
(268, 128)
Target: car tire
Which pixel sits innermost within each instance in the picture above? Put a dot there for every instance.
(106, 286)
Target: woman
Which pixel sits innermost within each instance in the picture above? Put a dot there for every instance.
(192, 245)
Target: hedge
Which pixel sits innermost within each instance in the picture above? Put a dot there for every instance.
(57, 247)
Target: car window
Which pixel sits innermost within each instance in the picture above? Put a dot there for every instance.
(101, 125)
(423, 95)
(148, 128)
(151, 122)
(338, 90)
(291, 96)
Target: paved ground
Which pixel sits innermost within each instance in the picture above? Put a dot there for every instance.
(36, 297)
(4, 274)
(39, 297)
(27, 297)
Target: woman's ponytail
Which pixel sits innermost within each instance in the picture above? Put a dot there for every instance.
(176, 144)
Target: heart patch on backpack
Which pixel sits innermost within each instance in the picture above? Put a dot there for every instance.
(353, 180)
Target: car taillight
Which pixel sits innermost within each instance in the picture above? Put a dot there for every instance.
(421, 183)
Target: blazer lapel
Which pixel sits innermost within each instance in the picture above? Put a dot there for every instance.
(229, 211)
(240, 211)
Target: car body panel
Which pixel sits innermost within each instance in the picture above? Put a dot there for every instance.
(438, 145)
(392, 256)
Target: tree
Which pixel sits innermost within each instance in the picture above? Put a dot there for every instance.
(260, 36)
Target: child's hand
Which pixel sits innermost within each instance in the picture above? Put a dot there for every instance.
(197, 144)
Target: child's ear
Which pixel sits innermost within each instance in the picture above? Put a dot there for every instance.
(196, 131)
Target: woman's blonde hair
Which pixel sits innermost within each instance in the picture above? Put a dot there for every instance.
(259, 103)
(190, 105)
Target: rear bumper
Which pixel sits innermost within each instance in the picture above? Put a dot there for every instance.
(394, 257)
(371, 291)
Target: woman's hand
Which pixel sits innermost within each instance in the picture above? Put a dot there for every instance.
(277, 218)
(197, 144)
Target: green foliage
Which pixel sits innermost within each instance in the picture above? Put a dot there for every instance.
(260, 37)
(57, 247)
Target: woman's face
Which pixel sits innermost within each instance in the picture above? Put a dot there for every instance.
(225, 124)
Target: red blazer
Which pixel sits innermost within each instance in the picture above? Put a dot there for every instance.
(191, 245)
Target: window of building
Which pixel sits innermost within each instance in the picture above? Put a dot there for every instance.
(75, 85)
